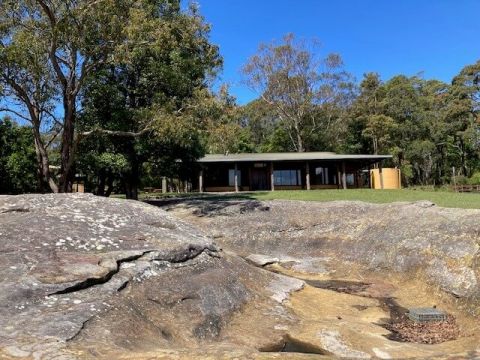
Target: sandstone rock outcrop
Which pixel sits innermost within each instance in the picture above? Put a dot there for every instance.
(441, 244)
(89, 277)
(81, 276)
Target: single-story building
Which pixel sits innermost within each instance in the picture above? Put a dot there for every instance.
(286, 171)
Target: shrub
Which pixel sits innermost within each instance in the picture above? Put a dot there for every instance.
(460, 180)
(474, 179)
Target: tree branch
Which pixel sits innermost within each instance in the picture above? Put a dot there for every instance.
(48, 12)
(54, 118)
(115, 132)
(21, 93)
(16, 113)
(53, 46)
(53, 138)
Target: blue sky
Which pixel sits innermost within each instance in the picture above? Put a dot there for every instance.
(435, 37)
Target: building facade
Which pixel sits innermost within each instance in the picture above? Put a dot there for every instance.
(286, 171)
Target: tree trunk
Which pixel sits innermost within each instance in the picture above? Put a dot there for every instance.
(42, 184)
(131, 187)
(131, 182)
(101, 183)
(109, 185)
(67, 155)
(43, 162)
(300, 146)
(375, 146)
(463, 158)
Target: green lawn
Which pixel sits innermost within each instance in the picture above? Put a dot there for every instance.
(440, 197)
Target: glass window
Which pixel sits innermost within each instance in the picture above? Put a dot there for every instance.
(321, 175)
(287, 177)
(231, 177)
(350, 179)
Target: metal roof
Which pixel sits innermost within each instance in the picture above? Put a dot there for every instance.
(288, 156)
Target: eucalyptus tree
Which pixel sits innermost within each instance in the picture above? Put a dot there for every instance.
(26, 79)
(147, 106)
(260, 122)
(47, 50)
(224, 130)
(304, 89)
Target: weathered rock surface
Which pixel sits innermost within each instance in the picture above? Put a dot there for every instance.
(399, 256)
(82, 276)
(88, 277)
(442, 244)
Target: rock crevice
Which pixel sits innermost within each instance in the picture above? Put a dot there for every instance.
(93, 281)
(176, 257)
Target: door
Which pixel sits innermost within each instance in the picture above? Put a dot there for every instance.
(259, 178)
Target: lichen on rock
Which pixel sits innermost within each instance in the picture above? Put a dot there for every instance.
(93, 275)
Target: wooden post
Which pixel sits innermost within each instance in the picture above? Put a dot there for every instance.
(339, 178)
(454, 179)
(236, 177)
(399, 178)
(344, 176)
(200, 181)
(272, 178)
(370, 183)
(380, 173)
(307, 175)
(164, 185)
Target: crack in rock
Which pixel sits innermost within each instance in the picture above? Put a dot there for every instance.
(171, 304)
(16, 209)
(80, 329)
(123, 286)
(82, 285)
(190, 253)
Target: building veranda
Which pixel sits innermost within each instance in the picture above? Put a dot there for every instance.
(286, 171)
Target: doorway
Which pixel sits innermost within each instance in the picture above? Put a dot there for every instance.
(259, 179)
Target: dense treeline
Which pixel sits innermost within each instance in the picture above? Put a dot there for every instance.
(115, 95)
(428, 126)
(310, 104)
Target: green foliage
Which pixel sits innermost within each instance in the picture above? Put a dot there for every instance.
(223, 132)
(159, 82)
(17, 159)
(142, 71)
(474, 179)
(379, 128)
(306, 93)
(48, 49)
(414, 120)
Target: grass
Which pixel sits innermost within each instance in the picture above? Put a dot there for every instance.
(443, 198)
(440, 197)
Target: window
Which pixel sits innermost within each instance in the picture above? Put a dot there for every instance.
(321, 175)
(350, 179)
(231, 177)
(287, 177)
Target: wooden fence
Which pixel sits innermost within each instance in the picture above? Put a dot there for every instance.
(466, 188)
